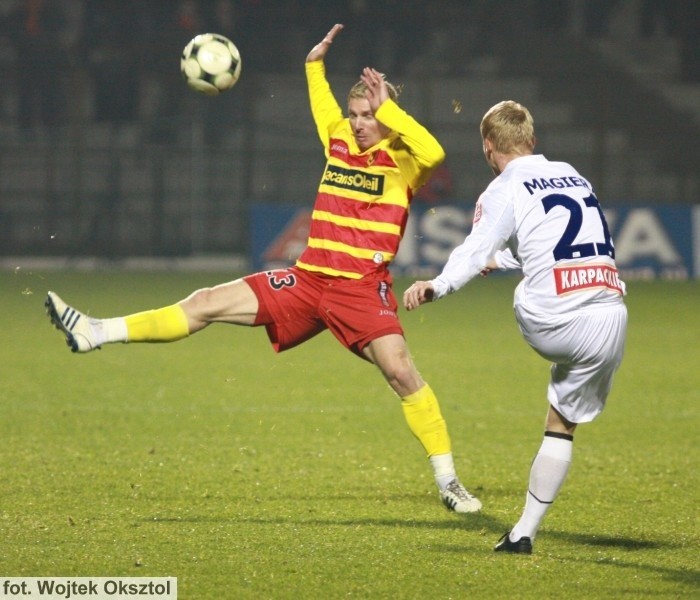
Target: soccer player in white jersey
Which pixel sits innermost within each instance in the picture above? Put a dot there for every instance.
(543, 217)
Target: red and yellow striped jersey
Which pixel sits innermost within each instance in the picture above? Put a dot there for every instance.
(363, 198)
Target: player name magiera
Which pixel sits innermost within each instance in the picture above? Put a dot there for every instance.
(558, 183)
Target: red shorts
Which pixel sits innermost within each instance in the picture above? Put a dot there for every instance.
(295, 305)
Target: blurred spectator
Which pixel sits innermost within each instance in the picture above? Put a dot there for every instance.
(679, 19)
(657, 17)
(223, 114)
(688, 18)
(408, 26)
(112, 48)
(315, 16)
(552, 17)
(264, 32)
(35, 27)
(224, 18)
(173, 25)
(596, 16)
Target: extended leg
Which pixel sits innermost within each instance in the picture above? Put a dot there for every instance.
(232, 302)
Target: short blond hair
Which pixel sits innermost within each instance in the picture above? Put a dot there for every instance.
(359, 90)
(510, 127)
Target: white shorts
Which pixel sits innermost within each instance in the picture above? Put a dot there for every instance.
(586, 347)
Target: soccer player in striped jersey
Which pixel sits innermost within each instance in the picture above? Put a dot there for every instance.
(543, 216)
(377, 157)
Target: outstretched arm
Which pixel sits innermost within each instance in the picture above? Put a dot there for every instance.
(325, 109)
(318, 52)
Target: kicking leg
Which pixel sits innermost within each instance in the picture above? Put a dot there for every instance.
(232, 302)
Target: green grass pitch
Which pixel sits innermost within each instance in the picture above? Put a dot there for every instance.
(247, 474)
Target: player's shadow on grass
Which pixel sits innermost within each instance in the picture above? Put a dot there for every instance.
(682, 576)
(480, 522)
(471, 522)
(609, 541)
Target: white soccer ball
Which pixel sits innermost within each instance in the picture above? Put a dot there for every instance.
(210, 64)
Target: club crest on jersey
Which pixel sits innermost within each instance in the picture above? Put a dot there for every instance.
(477, 212)
(352, 179)
(378, 258)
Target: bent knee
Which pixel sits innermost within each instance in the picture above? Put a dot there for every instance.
(198, 306)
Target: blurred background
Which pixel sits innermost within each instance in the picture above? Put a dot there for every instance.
(105, 152)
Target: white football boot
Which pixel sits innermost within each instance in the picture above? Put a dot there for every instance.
(74, 324)
(456, 498)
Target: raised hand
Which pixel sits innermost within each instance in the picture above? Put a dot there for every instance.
(377, 91)
(318, 52)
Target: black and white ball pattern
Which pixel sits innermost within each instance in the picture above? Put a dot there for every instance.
(210, 64)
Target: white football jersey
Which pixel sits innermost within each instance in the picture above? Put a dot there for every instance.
(544, 217)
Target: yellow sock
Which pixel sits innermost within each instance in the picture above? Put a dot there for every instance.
(424, 419)
(161, 325)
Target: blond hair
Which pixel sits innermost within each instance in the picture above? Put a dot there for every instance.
(510, 127)
(359, 90)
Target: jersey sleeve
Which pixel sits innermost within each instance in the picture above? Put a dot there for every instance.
(489, 235)
(325, 109)
(424, 152)
(506, 260)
